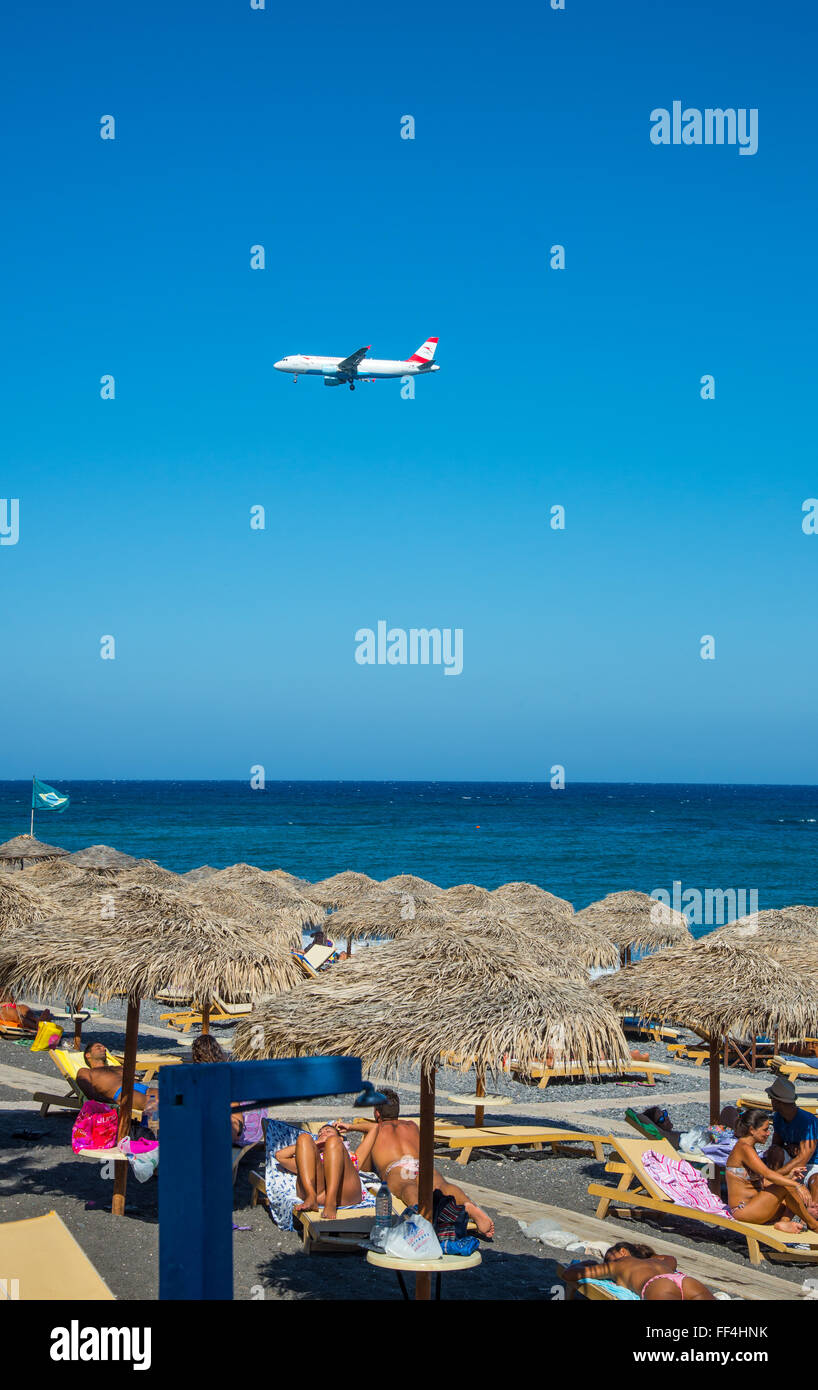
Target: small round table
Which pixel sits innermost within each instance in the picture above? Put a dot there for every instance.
(487, 1102)
(446, 1264)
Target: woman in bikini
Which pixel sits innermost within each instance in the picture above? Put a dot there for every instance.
(638, 1268)
(756, 1192)
(326, 1172)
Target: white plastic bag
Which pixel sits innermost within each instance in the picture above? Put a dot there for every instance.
(413, 1238)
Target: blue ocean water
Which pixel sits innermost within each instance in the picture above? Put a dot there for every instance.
(582, 842)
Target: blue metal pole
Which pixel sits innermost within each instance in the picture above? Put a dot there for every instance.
(195, 1180)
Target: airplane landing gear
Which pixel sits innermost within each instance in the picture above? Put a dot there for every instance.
(295, 381)
(351, 386)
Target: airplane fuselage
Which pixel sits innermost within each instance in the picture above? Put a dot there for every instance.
(301, 365)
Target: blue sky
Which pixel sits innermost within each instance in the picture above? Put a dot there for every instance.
(578, 387)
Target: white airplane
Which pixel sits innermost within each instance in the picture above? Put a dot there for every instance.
(338, 371)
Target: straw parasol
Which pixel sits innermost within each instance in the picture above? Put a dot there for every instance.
(390, 914)
(783, 924)
(717, 988)
(45, 873)
(531, 895)
(151, 874)
(588, 948)
(341, 889)
(289, 880)
(22, 904)
(636, 921)
(406, 1001)
(204, 871)
(266, 888)
(151, 938)
(102, 859)
(410, 883)
(27, 849)
(279, 924)
(466, 897)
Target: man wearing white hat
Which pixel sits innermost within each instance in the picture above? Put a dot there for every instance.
(796, 1131)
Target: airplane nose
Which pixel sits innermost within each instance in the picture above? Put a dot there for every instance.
(280, 366)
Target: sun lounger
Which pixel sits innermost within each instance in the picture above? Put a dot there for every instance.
(538, 1071)
(763, 1102)
(637, 1188)
(40, 1259)
(183, 1019)
(350, 1227)
(647, 1028)
(467, 1138)
(696, 1053)
(69, 1063)
(748, 1053)
(596, 1290)
(792, 1068)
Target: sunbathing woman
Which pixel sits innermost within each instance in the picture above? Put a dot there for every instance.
(326, 1172)
(638, 1268)
(22, 1016)
(755, 1191)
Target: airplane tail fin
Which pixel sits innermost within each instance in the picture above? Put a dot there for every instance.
(425, 352)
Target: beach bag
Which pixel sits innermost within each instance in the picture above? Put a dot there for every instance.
(95, 1127)
(48, 1035)
(449, 1218)
(413, 1238)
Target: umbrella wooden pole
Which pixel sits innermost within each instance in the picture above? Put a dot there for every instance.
(715, 1080)
(76, 1009)
(480, 1090)
(206, 1017)
(126, 1104)
(426, 1174)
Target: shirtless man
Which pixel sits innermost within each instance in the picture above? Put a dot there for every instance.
(326, 1172)
(392, 1145)
(102, 1082)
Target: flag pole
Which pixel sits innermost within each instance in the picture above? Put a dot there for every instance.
(33, 780)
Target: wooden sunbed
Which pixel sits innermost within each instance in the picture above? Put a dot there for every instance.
(646, 1028)
(763, 1102)
(312, 959)
(40, 1259)
(580, 1288)
(637, 1189)
(538, 1071)
(351, 1226)
(467, 1138)
(793, 1070)
(690, 1052)
(184, 1019)
(69, 1063)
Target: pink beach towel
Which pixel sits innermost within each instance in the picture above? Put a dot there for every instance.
(682, 1183)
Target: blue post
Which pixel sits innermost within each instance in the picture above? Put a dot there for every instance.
(195, 1180)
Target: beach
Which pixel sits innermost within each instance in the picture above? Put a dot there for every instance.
(42, 1174)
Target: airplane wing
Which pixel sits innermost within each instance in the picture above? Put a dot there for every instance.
(350, 364)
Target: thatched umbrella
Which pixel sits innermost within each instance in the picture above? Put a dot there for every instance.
(717, 988)
(102, 859)
(152, 875)
(784, 924)
(301, 885)
(531, 895)
(266, 888)
(27, 849)
(149, 939)
(204, 871)
(466, 897)
(45, 873)
(22, 904)
(635, 921)
(585, 947)
(389, 914)
(410, 883)
(341, 889)
(406, 1001)
(280, 925)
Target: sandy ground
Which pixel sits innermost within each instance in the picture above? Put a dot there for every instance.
(39, 1173)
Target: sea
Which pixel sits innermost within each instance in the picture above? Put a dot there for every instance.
(580, 842)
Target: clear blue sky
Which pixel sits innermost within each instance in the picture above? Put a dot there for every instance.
(580, 387)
